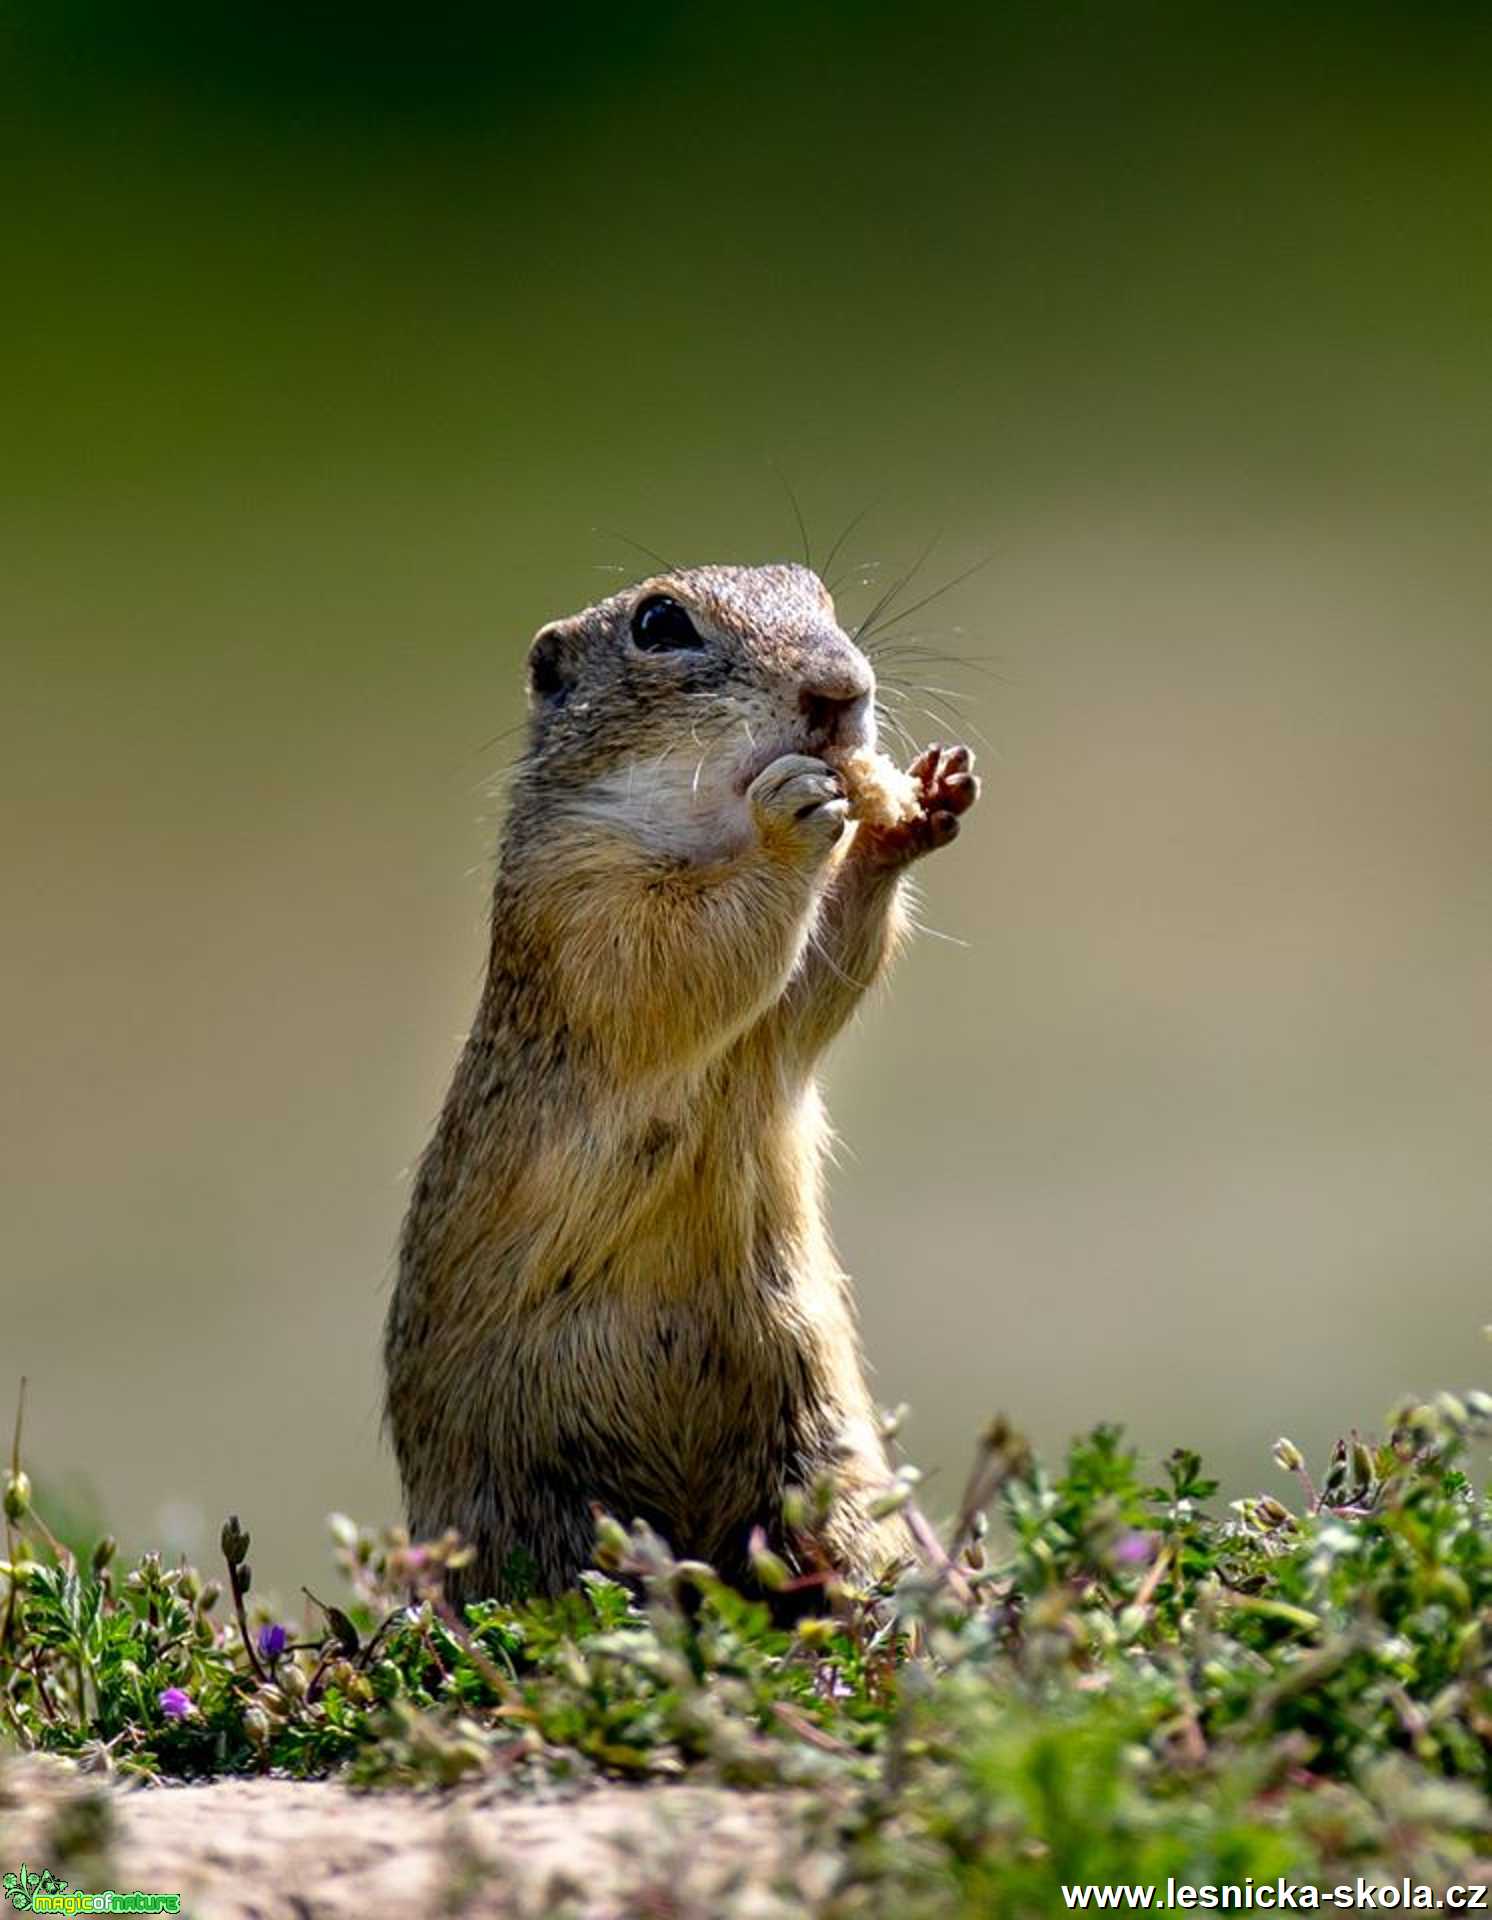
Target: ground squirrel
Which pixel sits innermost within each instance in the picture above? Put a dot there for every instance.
(615, 1284)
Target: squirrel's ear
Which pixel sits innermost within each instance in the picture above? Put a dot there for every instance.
(552, 672)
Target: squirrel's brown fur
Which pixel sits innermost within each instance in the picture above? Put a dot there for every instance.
(615, 1286)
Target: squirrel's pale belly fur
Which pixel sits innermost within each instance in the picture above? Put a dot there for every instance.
(616, 1287)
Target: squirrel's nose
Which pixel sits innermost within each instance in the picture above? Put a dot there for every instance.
(835, 693)
(838, 674)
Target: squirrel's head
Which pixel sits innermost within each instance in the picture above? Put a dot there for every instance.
(654, 711)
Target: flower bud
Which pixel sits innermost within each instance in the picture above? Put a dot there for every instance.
(824, 1494)
(769, 1568)
(612, 1543)
(1287, 1456)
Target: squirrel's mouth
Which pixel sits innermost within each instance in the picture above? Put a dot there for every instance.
(761, 757)
(818, 741)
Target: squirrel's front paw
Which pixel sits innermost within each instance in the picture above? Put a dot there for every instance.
(947, 787)
(799, 805)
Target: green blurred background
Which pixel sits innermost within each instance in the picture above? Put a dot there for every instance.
(337, 351)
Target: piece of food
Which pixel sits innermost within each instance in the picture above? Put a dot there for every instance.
(880, 794)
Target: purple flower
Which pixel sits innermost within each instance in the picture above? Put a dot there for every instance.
(1134, 1549)
(174, 1703)
(830, 1684)
(272, 1641)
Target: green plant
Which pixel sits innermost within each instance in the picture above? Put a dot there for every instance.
(1091, 1677)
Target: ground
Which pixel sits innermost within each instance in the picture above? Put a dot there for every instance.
(290, 1850)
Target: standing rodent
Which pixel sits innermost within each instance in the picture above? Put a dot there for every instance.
(615, 1285)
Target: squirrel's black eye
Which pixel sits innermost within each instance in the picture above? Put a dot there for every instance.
(660, 625)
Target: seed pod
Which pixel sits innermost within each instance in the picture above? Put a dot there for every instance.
(345, 1631)
(17, 1495)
